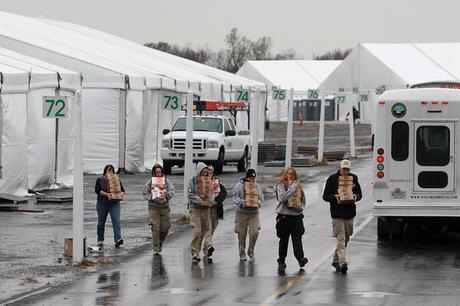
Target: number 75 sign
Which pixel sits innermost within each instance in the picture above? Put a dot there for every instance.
(55, 107)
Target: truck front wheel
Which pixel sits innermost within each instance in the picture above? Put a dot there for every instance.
(167, 167)
(219, 165)
(243, 162)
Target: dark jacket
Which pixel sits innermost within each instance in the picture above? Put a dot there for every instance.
(220, 198)
(346, 211)
(102, 184)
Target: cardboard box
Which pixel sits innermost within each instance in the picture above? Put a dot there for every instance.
(345, 189)
(251, 194)
(215, 187)
(115, 187)
(204, 189)
(296, 200)
(347, 178)
(68, 246)
(158, 187)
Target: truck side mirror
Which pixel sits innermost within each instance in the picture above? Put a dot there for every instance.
(230, 133)
(166, 131)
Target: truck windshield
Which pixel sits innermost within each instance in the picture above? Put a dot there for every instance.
(200, 124)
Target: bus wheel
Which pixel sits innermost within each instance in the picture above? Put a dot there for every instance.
(382, 228)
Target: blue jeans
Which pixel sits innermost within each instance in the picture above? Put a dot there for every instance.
(103, 209)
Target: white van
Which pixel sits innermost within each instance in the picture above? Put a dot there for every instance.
(417, 147)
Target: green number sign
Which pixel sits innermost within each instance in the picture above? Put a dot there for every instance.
(242, 95)
(55, 107)
(313, 94)
(363, 97)
(340, 99)
(279, 94)
(171, 102)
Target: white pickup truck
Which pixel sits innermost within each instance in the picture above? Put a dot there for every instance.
(215, 142)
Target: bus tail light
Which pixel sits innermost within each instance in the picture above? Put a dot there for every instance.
(380, 160)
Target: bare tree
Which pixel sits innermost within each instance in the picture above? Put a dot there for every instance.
(288, 54)
(261, 48)
(200, 55)
(239, 49)
(336, 54)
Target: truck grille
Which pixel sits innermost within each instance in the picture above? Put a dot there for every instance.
(179, 144)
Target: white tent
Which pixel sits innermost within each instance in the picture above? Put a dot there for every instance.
(109, 102)
(112, 92)
(298, 74)
(31, 155)
(14, 88)
(49, 141)
(369, 68)
(211, 83)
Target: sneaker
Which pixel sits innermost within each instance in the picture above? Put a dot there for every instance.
(251, 257)
(210, 251)
(344, 268)
(281, 264)
(303, 262)
(243, 257)
(118, 243)
(100, 244)
(196, 259)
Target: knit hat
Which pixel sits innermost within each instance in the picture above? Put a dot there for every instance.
(251, 173)
(199, 167)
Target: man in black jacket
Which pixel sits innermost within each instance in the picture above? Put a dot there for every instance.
(342, 214)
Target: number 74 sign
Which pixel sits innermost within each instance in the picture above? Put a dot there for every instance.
(55, 107)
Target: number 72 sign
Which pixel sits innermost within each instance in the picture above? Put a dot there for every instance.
(55, 106)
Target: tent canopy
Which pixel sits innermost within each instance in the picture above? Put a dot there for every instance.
(395, 65)
(131, 59)
(152, 58)
(68, 79)
(298, 74)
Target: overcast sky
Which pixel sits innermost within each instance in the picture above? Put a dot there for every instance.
(304, 25)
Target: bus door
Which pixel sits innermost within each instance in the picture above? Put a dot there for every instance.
(434, 161)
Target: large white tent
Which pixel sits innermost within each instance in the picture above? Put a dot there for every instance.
(370, 68)
(298, 74)
(120, 84)
(36, 151)
(208, 82)
(217, 85)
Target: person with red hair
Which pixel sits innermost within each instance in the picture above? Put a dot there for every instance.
(289, 219)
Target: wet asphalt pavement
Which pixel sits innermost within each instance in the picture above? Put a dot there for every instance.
(421, 271)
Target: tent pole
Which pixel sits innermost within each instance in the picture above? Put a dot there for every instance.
(288, 158)
(188, 163)
(321, 126)
(351, 123)
(78, 204)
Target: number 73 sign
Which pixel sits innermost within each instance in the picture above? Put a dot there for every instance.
(55, 106)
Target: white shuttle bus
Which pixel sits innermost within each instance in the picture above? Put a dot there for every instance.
(416, 151)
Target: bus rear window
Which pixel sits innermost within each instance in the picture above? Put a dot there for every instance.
(400, 140)
(433, 145)
(432, 179)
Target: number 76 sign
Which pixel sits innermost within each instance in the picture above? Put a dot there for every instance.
(55, 107)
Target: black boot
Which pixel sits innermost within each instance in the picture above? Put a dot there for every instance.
(344, 268)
